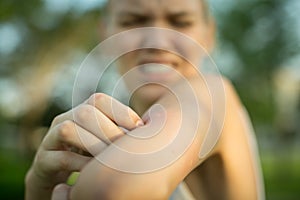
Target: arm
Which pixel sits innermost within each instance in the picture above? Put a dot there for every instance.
(235, 170)
(234, 148)
(100, 181)
(240, 153)
(87, 128)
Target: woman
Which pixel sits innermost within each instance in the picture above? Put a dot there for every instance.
(227, 171)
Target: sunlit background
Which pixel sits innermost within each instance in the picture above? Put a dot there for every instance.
(43, 42)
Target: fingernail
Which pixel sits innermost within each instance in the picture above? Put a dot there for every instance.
(139, 123)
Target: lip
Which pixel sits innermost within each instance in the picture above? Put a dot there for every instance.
(168, 62)
(157, 70)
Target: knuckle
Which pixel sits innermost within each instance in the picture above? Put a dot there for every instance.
(41, 163)
(96, 97)
(56, 119)
(64, 130)
(39, 159)
(83, 112)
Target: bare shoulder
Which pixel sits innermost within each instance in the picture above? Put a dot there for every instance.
(239, 149)
(235, 157)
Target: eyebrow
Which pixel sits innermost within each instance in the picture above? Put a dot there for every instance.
(131, 14)
(180, 14)
(142, 14)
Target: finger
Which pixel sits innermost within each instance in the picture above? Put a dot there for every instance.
(121, 114)
(71, 134)
(61, 192)
(96, 122)
(93, 120)
(54, 161)
(62, 117)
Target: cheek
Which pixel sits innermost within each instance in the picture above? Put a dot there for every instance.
(195, 48)
(126, 62)
(202, 36)
(188, 70)
(128, 40)
(190, 51)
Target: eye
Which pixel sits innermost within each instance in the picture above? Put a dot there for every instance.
(181, 23)
(130, 22)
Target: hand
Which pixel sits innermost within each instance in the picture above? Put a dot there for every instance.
(98, 180)
(61, 192)
(73, 136)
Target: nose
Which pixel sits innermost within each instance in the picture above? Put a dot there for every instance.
(157, 39)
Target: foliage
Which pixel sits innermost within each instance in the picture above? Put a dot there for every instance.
(256, 36)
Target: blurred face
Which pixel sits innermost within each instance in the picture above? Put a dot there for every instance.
(184, 16)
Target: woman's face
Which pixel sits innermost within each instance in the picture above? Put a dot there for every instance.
(187, 17)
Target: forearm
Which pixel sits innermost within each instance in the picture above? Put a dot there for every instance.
(99, 181)
(159, 155)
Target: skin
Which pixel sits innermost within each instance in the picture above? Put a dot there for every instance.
(187, 20)
(233, 155)
(63, 150)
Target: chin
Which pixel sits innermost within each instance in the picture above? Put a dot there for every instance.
(150, 93)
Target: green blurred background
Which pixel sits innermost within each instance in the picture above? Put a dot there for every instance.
(43, 42)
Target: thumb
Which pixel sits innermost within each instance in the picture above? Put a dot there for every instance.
(61, 192)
